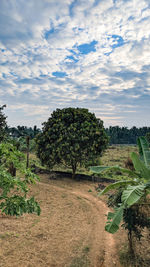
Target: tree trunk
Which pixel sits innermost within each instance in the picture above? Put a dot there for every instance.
(12, 169)
(73, 171)
(28, 143)
(131, 249)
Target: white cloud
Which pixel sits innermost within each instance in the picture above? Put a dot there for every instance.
(28, 59)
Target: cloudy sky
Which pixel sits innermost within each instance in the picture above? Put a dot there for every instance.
(75, 53)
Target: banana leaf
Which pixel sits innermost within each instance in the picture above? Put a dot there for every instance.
(117, 185)
(100, 169)
(132, 194)
(142, 145)
(144, 151)
(147, 157)
(114, 219)
(140, 166)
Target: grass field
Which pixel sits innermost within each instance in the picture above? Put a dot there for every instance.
(70, 230)
(117, 155)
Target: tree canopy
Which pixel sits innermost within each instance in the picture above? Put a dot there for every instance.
(71, 136)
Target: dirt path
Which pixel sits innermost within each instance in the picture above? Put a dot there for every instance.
(68, 233)
(103, 246)
(103, 250)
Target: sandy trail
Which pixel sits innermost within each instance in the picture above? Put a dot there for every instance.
(69, 232)
(103, 250)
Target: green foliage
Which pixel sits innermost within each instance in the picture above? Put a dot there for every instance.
(22, 131)
(71, 136)
(123, 135)
(13, 190)
(132, 191)
(17, 205)
(144, 150)
(135, 220)
(30, 177)
(132, 194)
(100, 169)
(23, 145)
(114, 219)
(116, 185)
(8, 154)
(7, 183)
(140, 166)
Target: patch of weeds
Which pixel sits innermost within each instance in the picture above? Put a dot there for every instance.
(81, 261)
(86, 249)
(90, 190)
(35, 222)
(79, 197)
(127, 260)
(63, 195)
(7, 235)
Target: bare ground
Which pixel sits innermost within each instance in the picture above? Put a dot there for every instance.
(68, 233)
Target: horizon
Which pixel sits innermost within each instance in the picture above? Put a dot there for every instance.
(40, 127)
(92, 54)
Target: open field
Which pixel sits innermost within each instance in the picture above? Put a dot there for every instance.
(70, 230)
(117, 155)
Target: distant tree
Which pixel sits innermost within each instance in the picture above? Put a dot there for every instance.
(123, 135)
(23, 131)
(148, 137)
(3, 123)
(71, 136)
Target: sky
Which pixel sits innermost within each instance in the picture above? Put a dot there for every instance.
(92, 54)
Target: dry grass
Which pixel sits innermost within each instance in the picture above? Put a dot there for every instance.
(69, 232)
(117, 155)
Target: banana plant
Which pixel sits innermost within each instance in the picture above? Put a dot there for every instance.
(133, 190)
(144, 151)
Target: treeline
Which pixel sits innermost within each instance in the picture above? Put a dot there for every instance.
(123, 135)
(117, 135)
(21, 131)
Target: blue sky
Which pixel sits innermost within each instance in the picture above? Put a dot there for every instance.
(93, 54)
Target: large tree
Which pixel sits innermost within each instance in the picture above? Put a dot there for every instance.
(71, 136)
(2, 123)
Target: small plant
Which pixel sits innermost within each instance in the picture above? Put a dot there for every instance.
(13, 194)
(90, 190)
